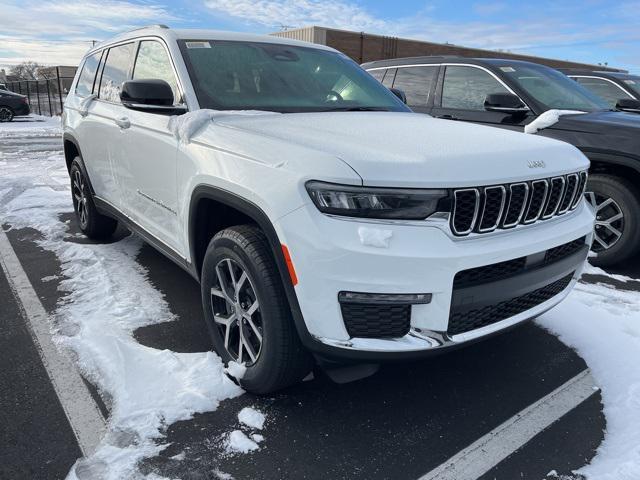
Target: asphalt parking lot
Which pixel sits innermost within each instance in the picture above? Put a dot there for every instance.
(400, 423)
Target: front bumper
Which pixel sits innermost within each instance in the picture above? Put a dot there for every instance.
(333, 255)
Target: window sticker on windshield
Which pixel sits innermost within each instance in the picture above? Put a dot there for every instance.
(198, 45)
(508, 69)
(629, 82)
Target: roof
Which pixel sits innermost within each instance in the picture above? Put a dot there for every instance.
(169, 34)
(444, 59)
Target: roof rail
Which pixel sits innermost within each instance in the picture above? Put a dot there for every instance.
(157, 25)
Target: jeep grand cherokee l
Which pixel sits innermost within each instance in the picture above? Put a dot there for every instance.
(621, 90)
(323, 219)
(511, 94)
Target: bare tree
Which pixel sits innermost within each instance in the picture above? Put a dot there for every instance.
(26, 70)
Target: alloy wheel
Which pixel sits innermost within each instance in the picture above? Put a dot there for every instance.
(80, 198)
(609, 221)
(236, 312)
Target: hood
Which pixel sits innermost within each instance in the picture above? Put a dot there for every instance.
(8, 93)
(600, 122)
(415, 150)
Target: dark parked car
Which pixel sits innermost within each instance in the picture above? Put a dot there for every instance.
(621, 90)
(511, 94)
(12, 105)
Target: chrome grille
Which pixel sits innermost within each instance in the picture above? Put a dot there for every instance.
(485, 209)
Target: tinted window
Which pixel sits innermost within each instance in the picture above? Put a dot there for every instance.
(229, 75)
(416, 83)
(115, 72)
(88, 75)
(466, 88)
(378, 74)
(153, 63)
(551, 88)
(604, 89)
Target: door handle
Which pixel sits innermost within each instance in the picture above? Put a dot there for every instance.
(123, 122)
(447, 117)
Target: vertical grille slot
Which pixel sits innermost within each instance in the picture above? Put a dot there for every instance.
(555, 195)
(537, 199)
(518, 193)
(492, 208)
(569, 193)
(465, 210)
(582, 185)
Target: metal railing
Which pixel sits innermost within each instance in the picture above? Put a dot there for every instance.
(45, 96)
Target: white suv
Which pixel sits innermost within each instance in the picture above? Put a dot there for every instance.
(323, 219)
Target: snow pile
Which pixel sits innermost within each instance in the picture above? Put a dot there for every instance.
(33, 125)
(375, 237)
(549, 118)
(603, 325)
(109, 298)
(185, 127)
(238, 442)
(252, 418)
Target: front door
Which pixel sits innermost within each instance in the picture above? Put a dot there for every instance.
(464, 90)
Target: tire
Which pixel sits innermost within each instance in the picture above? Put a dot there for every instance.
(92, 223)
(278, 359)
(612, 196)
(6, 114)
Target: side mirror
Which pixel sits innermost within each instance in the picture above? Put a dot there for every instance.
(400, 94)
(504, 103)
(628, 105)
(149, 95)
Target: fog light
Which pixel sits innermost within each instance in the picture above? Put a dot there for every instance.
(385, 298)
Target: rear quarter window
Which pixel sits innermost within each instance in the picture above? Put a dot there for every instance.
(88, 75)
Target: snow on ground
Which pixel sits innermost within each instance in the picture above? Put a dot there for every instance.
(32, 126)
(251, 418)
(238, 442)
(109, 296)
(603, 325)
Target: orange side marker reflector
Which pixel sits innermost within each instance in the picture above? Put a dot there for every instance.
(292, 271)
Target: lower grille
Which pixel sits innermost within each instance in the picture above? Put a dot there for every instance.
(460, 322)
(376, 321)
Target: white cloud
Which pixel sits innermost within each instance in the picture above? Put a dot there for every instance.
(274, 13)
(59, 32)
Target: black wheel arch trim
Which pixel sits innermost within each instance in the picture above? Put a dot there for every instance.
(253, 211)
(67, 137)
(618, 159)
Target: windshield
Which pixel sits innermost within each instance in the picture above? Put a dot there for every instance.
(552, 88)
(229, 75)
(631, 83)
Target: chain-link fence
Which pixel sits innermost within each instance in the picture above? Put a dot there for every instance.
(46, 96)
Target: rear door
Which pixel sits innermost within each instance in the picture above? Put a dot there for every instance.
(462, 91)
(418, 84)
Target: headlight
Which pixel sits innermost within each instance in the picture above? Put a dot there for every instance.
(371, 202)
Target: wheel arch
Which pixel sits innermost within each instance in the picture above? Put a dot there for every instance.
(200, 231)
(71, 149)
(617, 165)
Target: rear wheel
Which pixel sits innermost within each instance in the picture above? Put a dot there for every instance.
(617, 229)
(247, 312)
(6, 114)
(92, 223)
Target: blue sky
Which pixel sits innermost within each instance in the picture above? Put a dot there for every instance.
(594, 31)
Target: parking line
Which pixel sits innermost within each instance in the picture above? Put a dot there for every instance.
(83, 414)
(487, 452)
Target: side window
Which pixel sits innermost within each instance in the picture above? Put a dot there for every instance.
(604, 89)
(377, 74)
(387, 81)
(153, 63)
(84, 87)
(115, 72)
(416, 83)
(466, 88)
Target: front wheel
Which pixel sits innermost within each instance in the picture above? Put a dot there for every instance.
(247, 312)
(617, 230)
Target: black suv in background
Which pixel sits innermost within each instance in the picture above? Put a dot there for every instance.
(621, 90)
(511, 94)
(12, 105)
